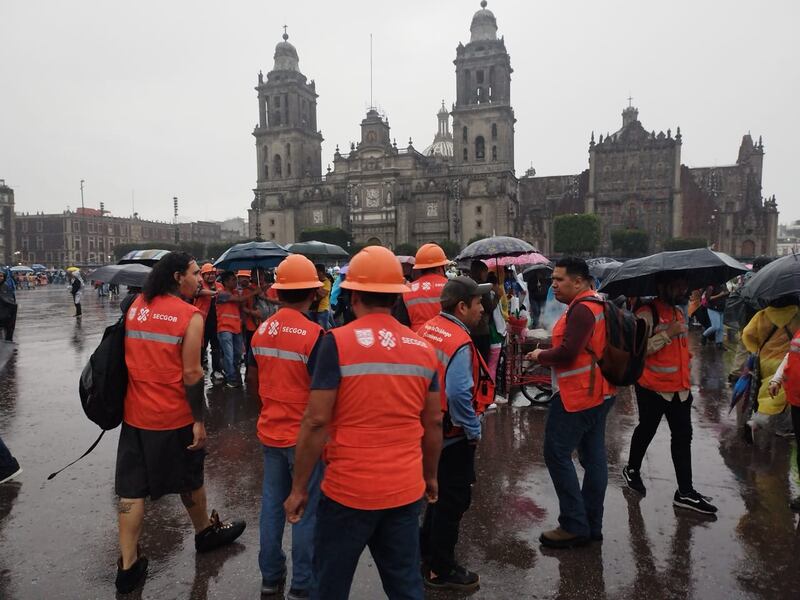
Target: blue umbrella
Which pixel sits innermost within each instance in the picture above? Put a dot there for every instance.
(38, 267)
(251, 255)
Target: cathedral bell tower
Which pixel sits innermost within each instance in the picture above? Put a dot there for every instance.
(483, 120)
(288, 144)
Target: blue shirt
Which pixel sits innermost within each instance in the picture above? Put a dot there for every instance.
(458, 384)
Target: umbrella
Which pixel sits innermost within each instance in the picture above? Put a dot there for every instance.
(702, 267)
(132, 274)
(494, 247)
(251, 255)
(601, 270)
(317, 249)
(72, 269)
(406, 260)
(531, 258)
(38, 267)
(21, 269)
(143, 257)
(540, 267)
(779, 278)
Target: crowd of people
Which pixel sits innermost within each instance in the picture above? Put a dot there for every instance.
(374, 382)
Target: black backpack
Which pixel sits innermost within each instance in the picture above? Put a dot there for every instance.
(104, 383)
(622, 360)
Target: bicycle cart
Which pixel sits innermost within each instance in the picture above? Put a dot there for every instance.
(532, 379)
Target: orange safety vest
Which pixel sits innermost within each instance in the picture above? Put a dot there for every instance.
(203, 303)
(447, 338)
(154, 334)
(374, 453)
(229, 317)
(423, 301)
(281, 347)
(668, 369)
(791, 374)
(580, 383)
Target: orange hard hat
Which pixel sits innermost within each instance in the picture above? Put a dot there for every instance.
(207, 268)
(375, 269)
(296, 272)
(429, 256)
(243, 273)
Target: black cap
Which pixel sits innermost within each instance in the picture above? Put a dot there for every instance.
(463, 288)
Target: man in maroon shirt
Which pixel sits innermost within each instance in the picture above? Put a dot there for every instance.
(577, 415)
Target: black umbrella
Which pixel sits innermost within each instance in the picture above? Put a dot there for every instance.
(132, 274)
(779, 278)
(600, 268)
(703, 267)
(539, 267)
(496, 246)
(317, 249)
(147, 257)
(251, 255)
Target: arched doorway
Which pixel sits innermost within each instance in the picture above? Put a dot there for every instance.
(373, 241)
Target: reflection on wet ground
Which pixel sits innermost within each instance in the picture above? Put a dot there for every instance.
(58, 538)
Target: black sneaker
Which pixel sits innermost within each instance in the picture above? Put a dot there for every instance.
(457, 579)
(634, 480)
(217, 534)
(233, 384)
(129, 579)
(298, 594)
(12, 471)
(694, 501)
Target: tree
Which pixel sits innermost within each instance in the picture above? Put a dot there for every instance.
(329, 235)
(451, 248)
(685, 243)
(630, 243)
(576, 234)
(405, 250)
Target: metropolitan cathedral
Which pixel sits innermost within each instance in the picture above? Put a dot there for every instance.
(464, 184)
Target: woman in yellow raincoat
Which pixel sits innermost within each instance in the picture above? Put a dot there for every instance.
(772, 330)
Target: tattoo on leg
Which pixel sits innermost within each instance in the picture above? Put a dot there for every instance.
(187, 499)
(125, 507)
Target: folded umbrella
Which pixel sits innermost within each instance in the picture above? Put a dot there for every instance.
(251, 255)
(702, 267)
(317, 249)
(133, 274)
(779, 278)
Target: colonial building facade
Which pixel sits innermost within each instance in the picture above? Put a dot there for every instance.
(6, 224)
(464, 185)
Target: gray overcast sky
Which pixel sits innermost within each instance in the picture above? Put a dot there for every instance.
(157, 97)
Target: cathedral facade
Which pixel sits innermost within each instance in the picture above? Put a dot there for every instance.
(463, 185)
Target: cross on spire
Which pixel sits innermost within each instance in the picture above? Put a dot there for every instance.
(285, 35)
(630, 100)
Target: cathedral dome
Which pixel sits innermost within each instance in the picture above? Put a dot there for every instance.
(484, 25)
(286, 58)
(442, 148)
(442, 145)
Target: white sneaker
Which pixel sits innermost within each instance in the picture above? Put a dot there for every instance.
(500, 399)
(492, 406)
(521, 402)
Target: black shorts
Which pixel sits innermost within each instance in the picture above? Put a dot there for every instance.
(154, 463)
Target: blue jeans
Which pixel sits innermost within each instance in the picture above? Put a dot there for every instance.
(231, 346)
(580, 507)
(324, 319)
(393, 539)
(716, 328)
(278, 470)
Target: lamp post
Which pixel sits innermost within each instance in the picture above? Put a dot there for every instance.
(175, 219)
(82, 182)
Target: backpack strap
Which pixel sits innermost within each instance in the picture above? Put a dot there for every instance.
(768, 338)
(92, 447)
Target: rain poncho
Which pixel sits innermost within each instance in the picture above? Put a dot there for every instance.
(8, 298)
(775, 348)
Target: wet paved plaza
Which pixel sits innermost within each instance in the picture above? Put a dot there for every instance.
(58, 538)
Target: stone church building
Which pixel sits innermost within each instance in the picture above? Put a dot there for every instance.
(464, 185)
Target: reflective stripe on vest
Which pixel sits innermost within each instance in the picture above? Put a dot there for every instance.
(278, 353)
(154, 337)
(386, 369)
(432, 300)
(657, 369)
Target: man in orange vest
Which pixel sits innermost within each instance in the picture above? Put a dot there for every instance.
(163, 433)
(375, 392)
(576, 417)
(466, 391)
(229, 326)
(788, 377)
(250, 318)
(421, 303)
(285, 350)
(664, 390)
(205, 302)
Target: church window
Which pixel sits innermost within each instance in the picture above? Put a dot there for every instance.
(478, 210)
(272, 222)
(288, 169)
(494, 152)
(465, 134)
(272, 236)
(277, 166)
(277, 101)
(479, 76)
(266, 171)
(494, 131)
(478, 224)
(288, 150)
(465, 155)
(480, 149)
(308, 164)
